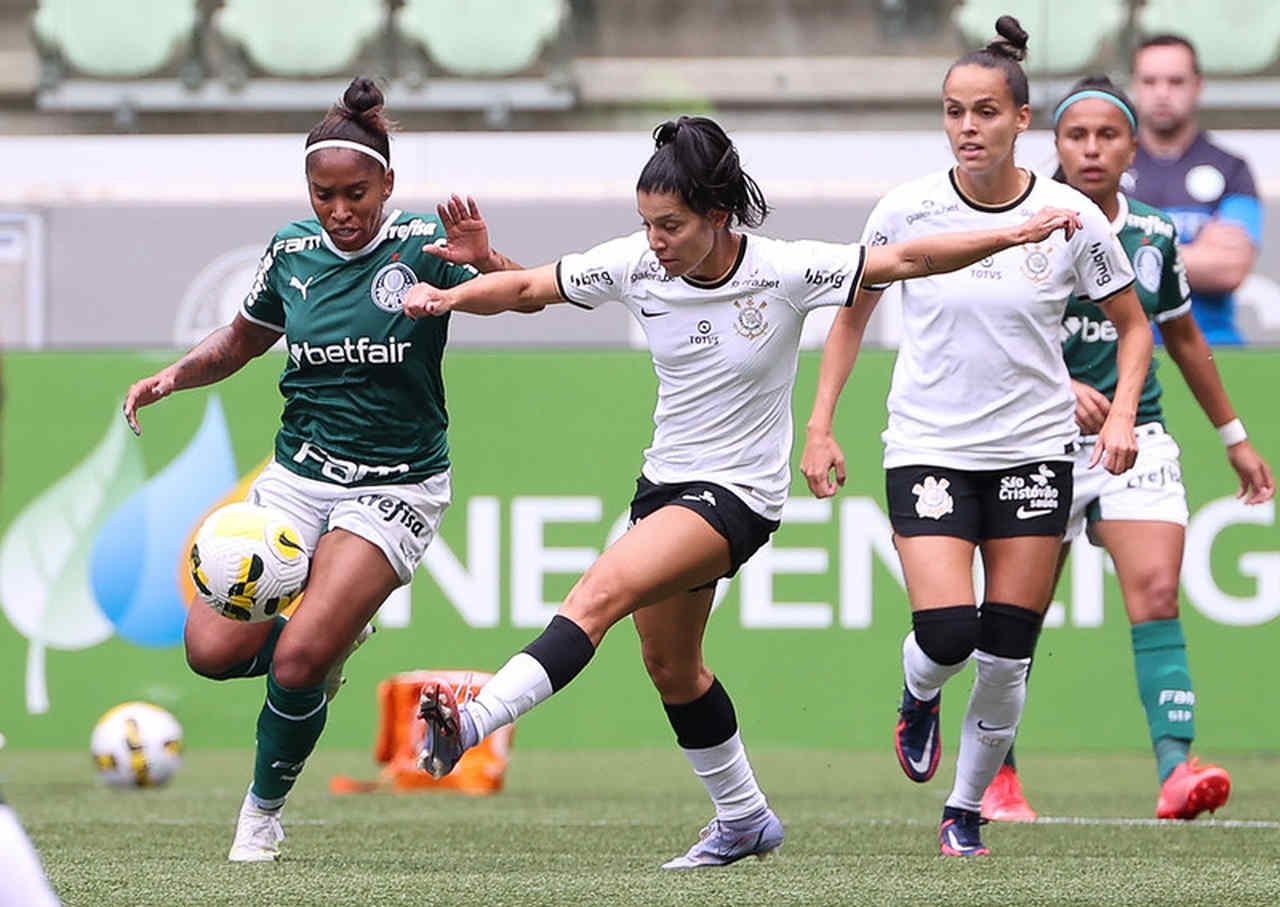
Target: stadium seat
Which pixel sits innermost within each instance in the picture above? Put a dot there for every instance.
(1231, 36)
(1064, 37)
(300, 37)
(125, 38)
(481, 37)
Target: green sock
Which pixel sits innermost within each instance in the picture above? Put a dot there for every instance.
(260, 663)
(288, 727)
(1164, 685)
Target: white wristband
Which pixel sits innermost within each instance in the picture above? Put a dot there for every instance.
(1232, 433)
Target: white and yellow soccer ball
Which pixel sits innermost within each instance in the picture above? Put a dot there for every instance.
(136, 744)
(248, 562)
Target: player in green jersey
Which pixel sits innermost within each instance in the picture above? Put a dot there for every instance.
(361, 458)
(1140, 517)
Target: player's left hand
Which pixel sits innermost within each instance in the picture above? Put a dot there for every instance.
(1045, 222)
(1257, 484)
(424, 299)
(466, 235)
(1117, 446)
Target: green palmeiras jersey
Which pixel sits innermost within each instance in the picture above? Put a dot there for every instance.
(1089, 338)
(363, 396)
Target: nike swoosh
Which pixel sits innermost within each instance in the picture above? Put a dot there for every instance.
(983, 727)
(1025, 514)
(652, 314)
(926, 756)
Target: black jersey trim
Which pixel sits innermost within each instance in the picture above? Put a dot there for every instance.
(857, 275)
(1110, 296)
(563, 294)
(991, 209)
(717, 284)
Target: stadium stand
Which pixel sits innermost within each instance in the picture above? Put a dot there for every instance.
(481, 37)
(94, 38)
(1066, 37)
(297, 37)
(1219, 31)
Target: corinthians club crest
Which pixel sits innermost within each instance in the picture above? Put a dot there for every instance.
(932, 499)
(390, 285)
(1036, 265)
(751, 322)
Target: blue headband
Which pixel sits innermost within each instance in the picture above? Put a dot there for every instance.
(1094, 93)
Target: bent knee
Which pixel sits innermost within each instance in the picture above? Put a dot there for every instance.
(299, 666)
(599, 598)
(1155, 598)
(676, 678)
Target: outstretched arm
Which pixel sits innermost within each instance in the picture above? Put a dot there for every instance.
(1188, 348)
(944, 252)
(466, 238)
(222, 353)
(822, 455)
(488, 294)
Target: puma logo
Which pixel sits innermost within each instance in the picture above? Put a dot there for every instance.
(301, 287)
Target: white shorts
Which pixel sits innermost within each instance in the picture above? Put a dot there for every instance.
(1151, 490)
(400, 519)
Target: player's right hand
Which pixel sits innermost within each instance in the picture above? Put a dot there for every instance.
(424, 299)
(1045, 222)
(144, 393)
(822, 455)
(1091, 407)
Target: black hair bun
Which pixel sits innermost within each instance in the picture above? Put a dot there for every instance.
(1012, 42)
(363, 94)
(665, 133)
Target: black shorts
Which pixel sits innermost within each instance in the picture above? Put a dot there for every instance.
(744, 529)
(1030, 499)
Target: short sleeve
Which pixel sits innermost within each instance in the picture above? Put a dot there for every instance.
(820, 274)
(1239, 203)
(1102, 268)
(263, 305)
(597, 275)
(1174, 299)
(880, 230)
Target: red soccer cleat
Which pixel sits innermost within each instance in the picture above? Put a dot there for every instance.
(1004, 801)
(1192, 789)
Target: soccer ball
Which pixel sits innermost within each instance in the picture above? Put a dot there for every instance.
(136, 745)
(248, 562)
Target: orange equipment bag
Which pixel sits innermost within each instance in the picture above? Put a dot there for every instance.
(400, 733)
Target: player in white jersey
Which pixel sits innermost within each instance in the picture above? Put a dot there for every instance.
(981, 428)
(1140, 518)
(722, 312)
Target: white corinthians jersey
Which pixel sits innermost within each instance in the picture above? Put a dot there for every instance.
(980, 382)
(724, 352)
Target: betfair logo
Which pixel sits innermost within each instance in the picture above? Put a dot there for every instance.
(1088, 330)
(362, 352)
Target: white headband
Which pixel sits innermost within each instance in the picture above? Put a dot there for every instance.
(354, 146)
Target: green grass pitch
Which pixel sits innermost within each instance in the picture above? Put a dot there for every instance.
(593, 827)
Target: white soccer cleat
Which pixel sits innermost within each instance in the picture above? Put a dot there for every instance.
(720, 846)
(334, 680)
(258, 834)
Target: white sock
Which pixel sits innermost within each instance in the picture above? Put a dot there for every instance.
(726, 774)
(519, 685)
(24, 882)
(924, 676)
(995, 708)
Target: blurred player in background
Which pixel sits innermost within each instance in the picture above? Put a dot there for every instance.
(981, 433)
(362, 436)
(1208, 191)
(1139, 518)
(722, 312)
(22, 880)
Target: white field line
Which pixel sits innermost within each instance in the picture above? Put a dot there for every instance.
(1110, 820)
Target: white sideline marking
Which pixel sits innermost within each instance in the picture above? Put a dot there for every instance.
(1103, 820)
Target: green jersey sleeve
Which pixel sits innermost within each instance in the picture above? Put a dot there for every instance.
(1175, 288)
(264, 304)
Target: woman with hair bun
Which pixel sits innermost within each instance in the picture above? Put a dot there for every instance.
(722, 313)
(363, 429)
(982, 432)
(1141, 524)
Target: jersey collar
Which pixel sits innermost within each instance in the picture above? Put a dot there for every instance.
(721, 281)
(1122, 213)
(992, 209)
(368, 247)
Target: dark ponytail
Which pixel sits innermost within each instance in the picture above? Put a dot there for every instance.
(1004, 53)
(358, 117)
(695, 160)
